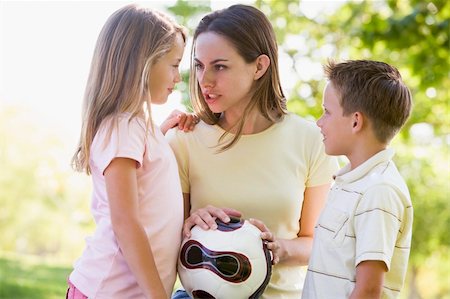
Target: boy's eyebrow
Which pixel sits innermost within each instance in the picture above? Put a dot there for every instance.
(214, 61)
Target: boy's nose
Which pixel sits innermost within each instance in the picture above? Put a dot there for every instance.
(319, 122)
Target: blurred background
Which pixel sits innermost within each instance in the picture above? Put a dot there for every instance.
(45, 53)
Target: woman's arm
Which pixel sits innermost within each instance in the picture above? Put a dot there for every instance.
(184, 121)
(297, 251)
(121, 187)
(187, 204)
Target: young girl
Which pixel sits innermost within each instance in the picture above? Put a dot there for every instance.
(249, 154)
(136, 201)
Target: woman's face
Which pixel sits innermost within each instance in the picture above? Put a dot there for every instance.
(165, 73)
(224, 77)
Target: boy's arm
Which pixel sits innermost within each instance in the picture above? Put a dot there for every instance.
(369, 280)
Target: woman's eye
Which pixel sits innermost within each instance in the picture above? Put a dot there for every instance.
(219, 67)
(198, 66)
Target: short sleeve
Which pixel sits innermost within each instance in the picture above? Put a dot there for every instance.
(377, 223)
(179, 147)
(122, 139)
(322, 167)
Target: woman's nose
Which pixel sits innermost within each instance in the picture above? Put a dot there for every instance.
(205, 79)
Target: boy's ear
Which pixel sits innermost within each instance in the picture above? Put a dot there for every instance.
(262, 64)
(358, 121)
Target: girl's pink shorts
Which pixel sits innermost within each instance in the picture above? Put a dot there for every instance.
(74, 293)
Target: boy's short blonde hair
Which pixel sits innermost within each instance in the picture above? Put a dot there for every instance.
(375, 89)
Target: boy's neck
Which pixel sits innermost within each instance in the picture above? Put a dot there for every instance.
(363, 151)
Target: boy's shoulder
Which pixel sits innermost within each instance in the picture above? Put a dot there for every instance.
(385, 182)
(378, 172)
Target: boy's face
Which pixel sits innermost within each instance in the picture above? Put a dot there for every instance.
(335, 127)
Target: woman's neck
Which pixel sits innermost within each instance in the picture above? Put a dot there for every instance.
(255, 122)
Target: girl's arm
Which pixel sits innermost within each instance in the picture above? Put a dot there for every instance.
(297, 251)
(121, 187)
(369, 280)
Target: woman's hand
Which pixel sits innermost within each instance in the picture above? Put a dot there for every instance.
(206, 218)
(184, 121)
(272, 243)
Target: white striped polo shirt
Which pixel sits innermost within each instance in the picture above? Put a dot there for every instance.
(368, 216)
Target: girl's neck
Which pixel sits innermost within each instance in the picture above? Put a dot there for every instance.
(254, 123)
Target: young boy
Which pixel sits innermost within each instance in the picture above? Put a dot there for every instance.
(362, 238)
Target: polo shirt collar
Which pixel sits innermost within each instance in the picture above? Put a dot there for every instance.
(345, 176)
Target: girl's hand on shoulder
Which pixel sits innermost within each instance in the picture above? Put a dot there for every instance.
(272, 243)
(184, 121)
(206, 218)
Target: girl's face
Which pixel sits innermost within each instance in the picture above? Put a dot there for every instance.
(224, 77)
(165, 73)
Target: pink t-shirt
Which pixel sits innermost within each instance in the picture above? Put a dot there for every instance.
(102, 271)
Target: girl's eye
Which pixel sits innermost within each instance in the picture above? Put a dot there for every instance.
(176, 66)
(198, 66)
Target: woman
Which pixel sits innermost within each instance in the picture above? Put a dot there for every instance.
(249, 157)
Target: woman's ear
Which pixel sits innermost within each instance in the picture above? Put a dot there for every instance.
(262, 64)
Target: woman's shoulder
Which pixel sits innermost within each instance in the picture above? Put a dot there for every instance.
(201, 129)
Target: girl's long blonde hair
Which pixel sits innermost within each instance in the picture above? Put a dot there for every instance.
(131, 41)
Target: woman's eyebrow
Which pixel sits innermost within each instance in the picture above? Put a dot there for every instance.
(212, 62)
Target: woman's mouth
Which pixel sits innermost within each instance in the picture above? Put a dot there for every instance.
(210, 97)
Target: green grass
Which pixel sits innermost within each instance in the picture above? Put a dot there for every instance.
(30, 278)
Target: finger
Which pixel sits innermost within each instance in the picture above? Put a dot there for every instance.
(224, 214)
(171, 121)
(232, 212)
(182, 121)
(275, 260)
(187, 226)
(273, 247)
(259, 224)
(197, 220)
(205, 219)
(174, 113)
(267, 236)
(190, 123)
